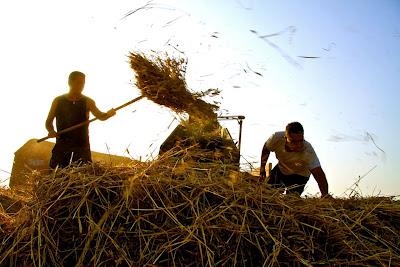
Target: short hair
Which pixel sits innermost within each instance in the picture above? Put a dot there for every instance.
(75, 74)
(294, 127)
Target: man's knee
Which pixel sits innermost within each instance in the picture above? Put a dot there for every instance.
(274, 177)
(83, 157)
(296, 184)
(295, 189)
(58, 160)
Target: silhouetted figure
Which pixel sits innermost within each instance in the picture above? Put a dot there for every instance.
(68, 110)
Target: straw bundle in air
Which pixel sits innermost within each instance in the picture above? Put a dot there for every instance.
(182, 213)
(162, 80)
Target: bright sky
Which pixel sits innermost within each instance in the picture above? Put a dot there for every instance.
(345, 96)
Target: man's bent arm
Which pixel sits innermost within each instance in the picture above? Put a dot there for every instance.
(97, 113)
(320, 177)
(50, 117)
(264, 158)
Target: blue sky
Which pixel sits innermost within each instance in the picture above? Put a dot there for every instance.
(343, 97)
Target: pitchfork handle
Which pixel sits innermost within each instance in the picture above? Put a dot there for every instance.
(91, 120)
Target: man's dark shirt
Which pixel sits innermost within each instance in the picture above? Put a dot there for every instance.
(73, 145)
(69, 113)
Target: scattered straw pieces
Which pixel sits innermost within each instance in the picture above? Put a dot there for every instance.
(183, 213)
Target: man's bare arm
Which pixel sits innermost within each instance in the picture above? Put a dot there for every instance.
(97, 113)
(264, 158)
(50, 119)
(320, 177)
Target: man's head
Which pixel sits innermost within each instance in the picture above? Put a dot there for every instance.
(76, 82)
(294, 136)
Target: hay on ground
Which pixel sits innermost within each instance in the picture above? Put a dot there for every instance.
(11, 203)
(179, 212)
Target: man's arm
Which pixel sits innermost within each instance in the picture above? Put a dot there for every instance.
(264, 158)
(320, 177)
(50, 119)
(97, 113)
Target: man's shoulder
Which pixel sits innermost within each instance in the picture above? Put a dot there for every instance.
(60, 97)
(308, 147)
(275, 140)
(277, 135)
(311, 155)
(86, 98)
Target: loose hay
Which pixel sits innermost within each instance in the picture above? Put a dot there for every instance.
(203, 142)
(162, 80)
(11, 203)
(183, 213)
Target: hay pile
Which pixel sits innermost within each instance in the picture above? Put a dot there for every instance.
(162, 80)
(11, 202)
(181, 213)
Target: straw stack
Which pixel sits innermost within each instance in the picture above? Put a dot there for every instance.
(180, 210)
(183, 213)
(11, 202)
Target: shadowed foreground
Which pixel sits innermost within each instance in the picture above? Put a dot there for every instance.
(180, 212)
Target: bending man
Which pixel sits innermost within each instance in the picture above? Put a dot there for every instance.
(297, 160)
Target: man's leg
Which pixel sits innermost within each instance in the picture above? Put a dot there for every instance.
(275, 177)
(295, 183)
(82, 155)
(60, 156)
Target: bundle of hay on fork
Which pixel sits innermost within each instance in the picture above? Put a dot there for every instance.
(163, 82)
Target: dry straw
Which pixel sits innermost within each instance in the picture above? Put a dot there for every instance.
(177, 212)
(189, 208)
(162, 80)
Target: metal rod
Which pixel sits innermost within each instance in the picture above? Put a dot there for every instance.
(240, 134)
(238, 117)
